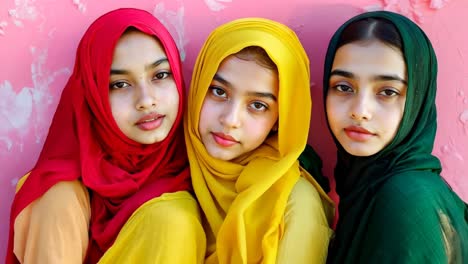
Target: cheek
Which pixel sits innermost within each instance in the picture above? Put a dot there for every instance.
(118, 108)
(332, 113)
(206, 114)
(172, 99)
(166, 92)
(393, 122)
(113, 101)
(260, 127)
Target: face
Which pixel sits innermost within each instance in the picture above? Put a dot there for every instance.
(142, 91)
(366, 96)
(240, 108)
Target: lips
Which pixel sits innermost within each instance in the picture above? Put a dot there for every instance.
(358, 133)
(223, 139)
(150, 122)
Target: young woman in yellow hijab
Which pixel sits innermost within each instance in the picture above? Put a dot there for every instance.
(247, 123)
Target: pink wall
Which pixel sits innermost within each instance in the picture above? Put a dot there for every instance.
(38, 40)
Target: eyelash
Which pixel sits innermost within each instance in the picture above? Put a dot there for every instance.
(348, 89)
(114, 85)
(392, 91)
(215, 89)
(256, 106)
(157, 77)
(165, 73)
(263, 106)
(340, 87)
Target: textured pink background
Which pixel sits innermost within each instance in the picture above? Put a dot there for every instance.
(38, 41)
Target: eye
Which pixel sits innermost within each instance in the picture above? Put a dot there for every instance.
(162, 75)
(389, 93)
(343, 88)
(118, 85)
(218, 92)
(259, 106)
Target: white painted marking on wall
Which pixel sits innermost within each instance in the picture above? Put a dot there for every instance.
(464, 117)
(8, 142)
(26, 110)
(18, 23)
(370, 8)
(174, 22)
(438, 4)
(15, 108)
(216, 5)
(410, 8)
(3, 25)
(42, 98)
(14, 182)
(25, 10)
(450, 150)
(81, 7)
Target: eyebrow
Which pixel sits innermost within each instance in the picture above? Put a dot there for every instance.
(220, 79)
(147, 67)
(384, 77)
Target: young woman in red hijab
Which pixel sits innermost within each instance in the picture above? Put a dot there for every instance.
(112, 181)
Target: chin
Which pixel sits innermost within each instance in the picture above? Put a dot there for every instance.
(147, 141)
(360, 152)
(220, 155)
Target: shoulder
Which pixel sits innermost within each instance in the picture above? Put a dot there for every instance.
(306, 202)
(305, 221)
(417, 197)
(304, 190)
(407, 219)
(306, 232)
(413, 201)
(417, 189)
(304, 196)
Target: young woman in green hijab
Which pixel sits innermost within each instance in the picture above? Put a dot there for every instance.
(379, 89)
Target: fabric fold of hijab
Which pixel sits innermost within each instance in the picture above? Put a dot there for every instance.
(84, 142)
(408, 155)
(244, 199)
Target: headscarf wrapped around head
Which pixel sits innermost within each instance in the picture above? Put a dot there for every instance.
(412, 146)
(84, 142)
(244, 199)
(394, 203)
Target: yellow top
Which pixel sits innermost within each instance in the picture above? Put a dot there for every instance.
(245, 200)
(154, 233)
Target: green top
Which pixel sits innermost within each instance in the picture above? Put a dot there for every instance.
(394, 206)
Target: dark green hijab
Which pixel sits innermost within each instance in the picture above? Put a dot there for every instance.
(394, 206)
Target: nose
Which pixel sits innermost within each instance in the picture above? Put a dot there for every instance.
(232, 115)
(146, 97)
(361, 108)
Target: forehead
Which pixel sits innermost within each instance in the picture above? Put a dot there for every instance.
(245, 74)
(137, 45)
(372, 57)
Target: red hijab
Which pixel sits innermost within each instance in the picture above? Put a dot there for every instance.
(84, 142)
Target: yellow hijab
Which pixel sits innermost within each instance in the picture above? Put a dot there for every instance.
(244, 199)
